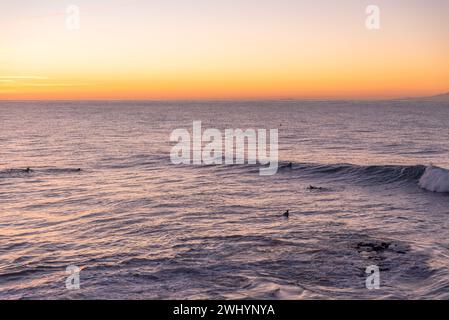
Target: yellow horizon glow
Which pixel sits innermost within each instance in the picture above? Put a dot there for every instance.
(124, 52)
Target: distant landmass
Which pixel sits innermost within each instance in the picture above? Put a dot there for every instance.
(441, 97)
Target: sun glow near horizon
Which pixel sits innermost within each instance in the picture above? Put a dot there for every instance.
(214, 49)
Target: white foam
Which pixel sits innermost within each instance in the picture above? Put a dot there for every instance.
(435, 179)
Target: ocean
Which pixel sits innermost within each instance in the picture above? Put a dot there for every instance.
(367, 186)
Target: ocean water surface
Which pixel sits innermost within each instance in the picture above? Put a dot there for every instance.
(140, 227)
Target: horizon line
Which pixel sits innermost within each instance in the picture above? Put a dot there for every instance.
(237, 99)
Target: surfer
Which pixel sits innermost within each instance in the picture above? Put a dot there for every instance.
(286, 214)
(285, 166)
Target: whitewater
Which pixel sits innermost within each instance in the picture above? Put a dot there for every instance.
(435, 179)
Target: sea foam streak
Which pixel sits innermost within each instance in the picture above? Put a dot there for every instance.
(435, 179)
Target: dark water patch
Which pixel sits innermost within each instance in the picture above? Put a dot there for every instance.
(367, 175)
(33, 172)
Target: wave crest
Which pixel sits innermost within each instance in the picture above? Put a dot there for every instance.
(435, 179)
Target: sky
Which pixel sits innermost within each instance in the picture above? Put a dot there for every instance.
(233, 49)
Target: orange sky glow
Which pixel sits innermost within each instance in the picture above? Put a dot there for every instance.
(222, 50)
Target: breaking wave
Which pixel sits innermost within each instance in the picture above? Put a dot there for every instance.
(435, 179)
(430, 178)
